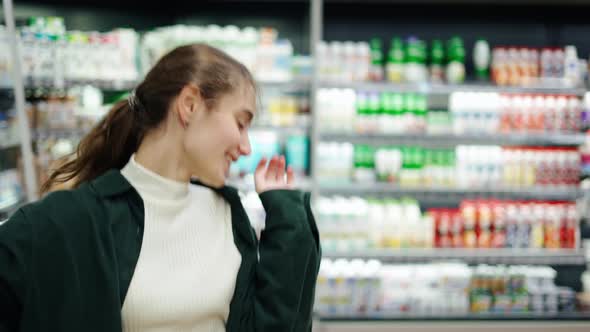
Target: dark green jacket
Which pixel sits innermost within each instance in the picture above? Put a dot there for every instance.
(66, 261)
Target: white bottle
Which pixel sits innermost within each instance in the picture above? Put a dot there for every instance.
(363, 61)
(349, 62)
(571, 66)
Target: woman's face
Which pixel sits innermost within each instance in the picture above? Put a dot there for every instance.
(216, 137)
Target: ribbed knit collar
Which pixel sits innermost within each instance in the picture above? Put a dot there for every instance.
(154, 186)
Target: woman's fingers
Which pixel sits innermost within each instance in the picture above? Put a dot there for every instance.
(281, 170)
(271, 171)
(290, 176)
(261, 165)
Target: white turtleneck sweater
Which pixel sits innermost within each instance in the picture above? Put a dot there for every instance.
(187, 268)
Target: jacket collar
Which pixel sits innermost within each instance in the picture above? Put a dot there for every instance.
(113, 183)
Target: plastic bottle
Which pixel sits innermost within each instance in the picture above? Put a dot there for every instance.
(348, 62)
(376, 69)
(363, 62)
(397, 110)
(374, 111)
(437, 58)
(455, 72)
(395, 61)
(362, 112)
(481, 59)
(571, 66)
(420, 113)
(383, 122)
(415, 70)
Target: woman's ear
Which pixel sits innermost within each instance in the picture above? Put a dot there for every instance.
(189, 104)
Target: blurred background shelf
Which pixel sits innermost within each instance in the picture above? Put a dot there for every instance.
(432, 88)
(41, 134)
(549, 324)
(108, 85)
(540, 139)
(246, 183)
(461, 193)
(8, 138)
(561, 316)
(286, 86)
(475, 256)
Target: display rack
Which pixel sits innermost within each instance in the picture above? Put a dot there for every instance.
(433, 88)
(542, 324)
(471, 256)
(542, 193)
(30, 180)
(537, 139)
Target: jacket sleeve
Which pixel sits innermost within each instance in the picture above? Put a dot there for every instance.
(289, 259)
(15, 255)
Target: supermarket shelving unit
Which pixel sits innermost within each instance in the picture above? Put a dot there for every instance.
(439, 88)
(489, 324)
(471, 256)
(13, 137)
(566, 258)
(537, 139)
(460, 193)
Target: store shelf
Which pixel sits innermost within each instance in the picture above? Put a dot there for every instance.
(540, 324)
(246, 183)
(475, 256)
(41, 134)
(116, 85)
(390, 189)
(431, 88)
(524, 316)
(283, 130)
(109, 85)
(296, 85)
(540, 139)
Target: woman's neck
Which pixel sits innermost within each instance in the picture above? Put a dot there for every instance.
(163, 157)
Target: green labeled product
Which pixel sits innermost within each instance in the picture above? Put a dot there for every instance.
(374, 111)
(455, 72)
(362, 111)
(420, 113)
(376, 70)
(437, 59)
(397, 112)
(408, 117)
(383, 122)
(415, 70)
(395, 61)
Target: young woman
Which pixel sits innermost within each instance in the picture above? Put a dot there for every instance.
(150, 239)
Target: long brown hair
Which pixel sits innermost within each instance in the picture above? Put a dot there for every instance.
(117, 136)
